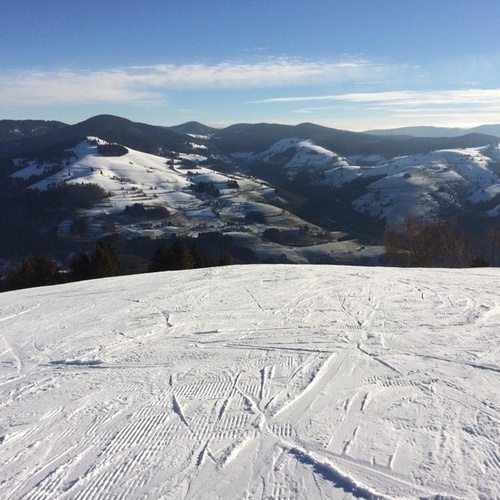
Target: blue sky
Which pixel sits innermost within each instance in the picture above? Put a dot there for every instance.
(351, 64)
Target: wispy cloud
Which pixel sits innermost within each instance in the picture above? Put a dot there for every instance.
(467, 107)
(149, 83)
(408, 98)
(177, 85)
(67, 86)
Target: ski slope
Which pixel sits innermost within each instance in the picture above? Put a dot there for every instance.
(254, 382)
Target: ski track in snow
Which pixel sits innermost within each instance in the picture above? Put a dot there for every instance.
(253, 382)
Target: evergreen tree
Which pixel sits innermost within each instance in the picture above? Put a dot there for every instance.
(226, 260)
(181, 256)
(104, 261)
(201, 259)
(80, 267)
(35, 270)
(161, 260)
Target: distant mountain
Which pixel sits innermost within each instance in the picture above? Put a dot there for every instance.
(259, 137)
(100, 190)
(435, 181)
(15, 130)
(242, 138)
(14, 133)
(256, 138)
(487, 129)
(140, 136)
(264, 182)
(194, 128)
(493, 130)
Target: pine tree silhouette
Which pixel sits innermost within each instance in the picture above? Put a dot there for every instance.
(161, 260)
(104, 261)
(35, 270)
(181, 256)
(80, 267)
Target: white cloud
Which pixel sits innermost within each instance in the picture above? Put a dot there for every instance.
(367, 110)
(427, 97)
(154, 86)
(147, 83)
(274, 72)
(39, 87)
(467, 107)
(410, 98)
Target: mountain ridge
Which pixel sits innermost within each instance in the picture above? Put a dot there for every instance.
(142, 136)
(430, 131)
(348, 184)
(242, 137)
(155, 197)
(194, 127)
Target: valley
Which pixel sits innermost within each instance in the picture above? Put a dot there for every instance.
(324, 196)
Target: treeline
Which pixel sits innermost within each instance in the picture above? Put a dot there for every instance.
(441, 244)
(178, 255)
(30, 219)
(102, 262)
(40, 270)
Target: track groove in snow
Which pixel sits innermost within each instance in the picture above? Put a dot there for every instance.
(253, 382)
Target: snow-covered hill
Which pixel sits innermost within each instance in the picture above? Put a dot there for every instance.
(198, 199)
(300, 155)
(253, 382)
(365, 181)
(138, 177)
(420, 185)
(423, 185)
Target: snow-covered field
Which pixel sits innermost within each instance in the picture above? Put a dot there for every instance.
(254, 382)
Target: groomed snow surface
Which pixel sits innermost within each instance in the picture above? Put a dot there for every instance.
(279, 382)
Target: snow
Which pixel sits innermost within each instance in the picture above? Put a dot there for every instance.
(305, 155)
(34, 169)
(253, 382)
(152, 180)
(419, 185)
